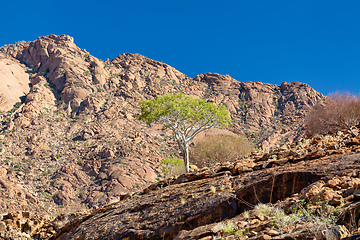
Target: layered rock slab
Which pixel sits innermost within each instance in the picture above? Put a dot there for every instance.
(158, 214)
(198, 199)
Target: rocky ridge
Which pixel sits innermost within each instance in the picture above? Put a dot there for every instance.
(73, 143)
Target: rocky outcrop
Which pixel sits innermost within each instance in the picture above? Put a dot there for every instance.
(266, 113)
(198, 205)
(269, 114)
(24, 225)
(67, 67)
(14, 82)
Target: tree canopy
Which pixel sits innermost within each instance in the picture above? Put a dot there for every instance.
(185, 116)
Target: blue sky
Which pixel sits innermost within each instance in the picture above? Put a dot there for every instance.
(311, 41)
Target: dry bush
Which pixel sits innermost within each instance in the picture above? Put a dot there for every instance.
(339, 111)
(219, 148)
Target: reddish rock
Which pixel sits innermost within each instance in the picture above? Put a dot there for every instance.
(14, 82)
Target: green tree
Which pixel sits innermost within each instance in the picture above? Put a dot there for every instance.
(185, 116)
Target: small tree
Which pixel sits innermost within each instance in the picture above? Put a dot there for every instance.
(185, 116)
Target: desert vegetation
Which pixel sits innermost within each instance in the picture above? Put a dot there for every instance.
(339, 111)
(185, 116)
(321, 218)
(219, 148)
(172, 166)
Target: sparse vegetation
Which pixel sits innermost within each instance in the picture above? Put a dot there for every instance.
(219, 148)
(265, 209)
(172, 166)
(339, 111)
(321, 216)
(246, 214)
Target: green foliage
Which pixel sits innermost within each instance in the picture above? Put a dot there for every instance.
(185, 116)
(281, 220)
(17, 105)
(323, 215)
(183, 109)
(59, 102)
(172, 166)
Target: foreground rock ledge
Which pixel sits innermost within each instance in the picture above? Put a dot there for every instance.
(187, 204)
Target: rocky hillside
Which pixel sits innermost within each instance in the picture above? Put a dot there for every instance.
(313, 185)
(68, 137)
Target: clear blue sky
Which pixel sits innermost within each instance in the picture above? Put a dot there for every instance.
(311, 41)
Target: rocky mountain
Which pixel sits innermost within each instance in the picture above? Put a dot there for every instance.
(68, 139)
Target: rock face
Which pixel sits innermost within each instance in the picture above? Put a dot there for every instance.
(267, 113)
(14, 82)
(73, 143)
(264, 112)
(65, 65)
(200, 204)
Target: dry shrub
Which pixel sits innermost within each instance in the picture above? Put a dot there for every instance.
(339, 111)
(219, 148)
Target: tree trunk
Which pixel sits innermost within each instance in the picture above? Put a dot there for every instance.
(186, 157)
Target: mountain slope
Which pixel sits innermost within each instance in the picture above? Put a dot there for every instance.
(73, 142)
(322, 172)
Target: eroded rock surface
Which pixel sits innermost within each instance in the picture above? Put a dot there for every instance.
(196, 200)
(14, 82)
(196, 205)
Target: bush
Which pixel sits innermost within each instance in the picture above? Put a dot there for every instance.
(339, 111)
(172, 166)
(219, 148)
